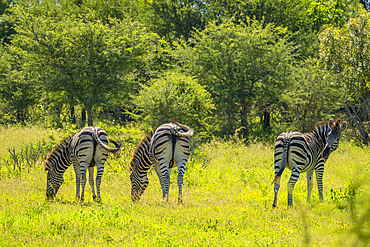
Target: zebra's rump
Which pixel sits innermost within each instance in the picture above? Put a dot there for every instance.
(170, 138)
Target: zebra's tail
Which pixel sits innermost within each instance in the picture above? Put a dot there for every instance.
(109, 149)
(284, 159)
(189, 131)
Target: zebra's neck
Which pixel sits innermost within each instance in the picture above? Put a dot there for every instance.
(141, 156)
(60, 159)
(317, 138)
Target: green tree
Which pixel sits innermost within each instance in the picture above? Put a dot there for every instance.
(345, 52)
(18, 90)
(243, 67)
(81, 56)
(312, 97)
(177, 96)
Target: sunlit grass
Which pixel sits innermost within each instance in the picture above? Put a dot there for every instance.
(227, 202)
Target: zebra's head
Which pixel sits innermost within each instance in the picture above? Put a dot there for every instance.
(52, 166)
(334, 135)
(138, 183)
(53, 183)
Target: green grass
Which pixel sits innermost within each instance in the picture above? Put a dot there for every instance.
(227, 202)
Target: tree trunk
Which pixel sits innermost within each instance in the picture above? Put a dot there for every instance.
(89, 117)
(266, 119)
(73, 115)
(83, 117)
(244, 121)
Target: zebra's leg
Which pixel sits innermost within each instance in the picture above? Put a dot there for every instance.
(276, 190)
(76, 167)
(319, 174)
(91, 180)
(83, 169)
(291, 183)
(309, 184)
(164, 178)
(99, 174)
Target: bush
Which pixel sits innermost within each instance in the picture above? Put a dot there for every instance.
(176, 96)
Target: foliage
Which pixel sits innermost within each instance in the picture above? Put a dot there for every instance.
(80, 57)
(177, 96)
(18, 89)
(311, 98)
(345, 53)
(243, 67)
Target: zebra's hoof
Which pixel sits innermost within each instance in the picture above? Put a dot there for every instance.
(274, 205)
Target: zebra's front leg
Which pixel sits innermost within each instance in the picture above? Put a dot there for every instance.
(291, 183)
(99, 175)
(76, 168)
(319, 174)
(91, 181)
(309, 184)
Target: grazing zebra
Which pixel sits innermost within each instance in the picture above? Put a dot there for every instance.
(84, 150)
(306, 153)
(168, 144)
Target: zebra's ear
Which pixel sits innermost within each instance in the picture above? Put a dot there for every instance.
(46, 166)
(343, 127)
(331, 123)
(131, 166)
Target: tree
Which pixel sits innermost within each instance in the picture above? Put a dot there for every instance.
(312, 97)
(80, 56)
(345, 52)
(18, 90)
(177, 96)
(242, 66)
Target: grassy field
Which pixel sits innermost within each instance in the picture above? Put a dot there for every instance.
(227, 202)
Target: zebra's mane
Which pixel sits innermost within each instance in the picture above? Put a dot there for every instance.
(140, 147)
(319, 127)
(58, 148)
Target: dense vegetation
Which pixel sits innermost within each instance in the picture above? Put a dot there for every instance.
(265, 66)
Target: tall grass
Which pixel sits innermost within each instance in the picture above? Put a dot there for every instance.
(227, 202)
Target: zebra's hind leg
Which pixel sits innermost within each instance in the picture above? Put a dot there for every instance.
(164, 179)
(76, 167)
(99, 174)
(83, 169)
(180, 178)
(291, 183)
(309, 184)
(276, 190)
(91, 181)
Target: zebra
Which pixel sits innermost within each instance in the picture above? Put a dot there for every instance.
(168, 144)
(306, 152)
(84, 150)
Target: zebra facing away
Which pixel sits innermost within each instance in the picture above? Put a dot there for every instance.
(84, 150)
(169, 144)
(306, 152)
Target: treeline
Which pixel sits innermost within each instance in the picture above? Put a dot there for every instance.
(261, 66)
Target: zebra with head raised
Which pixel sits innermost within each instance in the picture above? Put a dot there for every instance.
(84, 150)
(306, 152)
(169, 144)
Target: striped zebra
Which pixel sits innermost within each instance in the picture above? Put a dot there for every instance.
(169, 144)
(84, 150)
(306, 152)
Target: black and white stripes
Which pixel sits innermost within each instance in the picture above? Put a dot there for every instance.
(84, 150)
(306, 153)
(169, 144)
